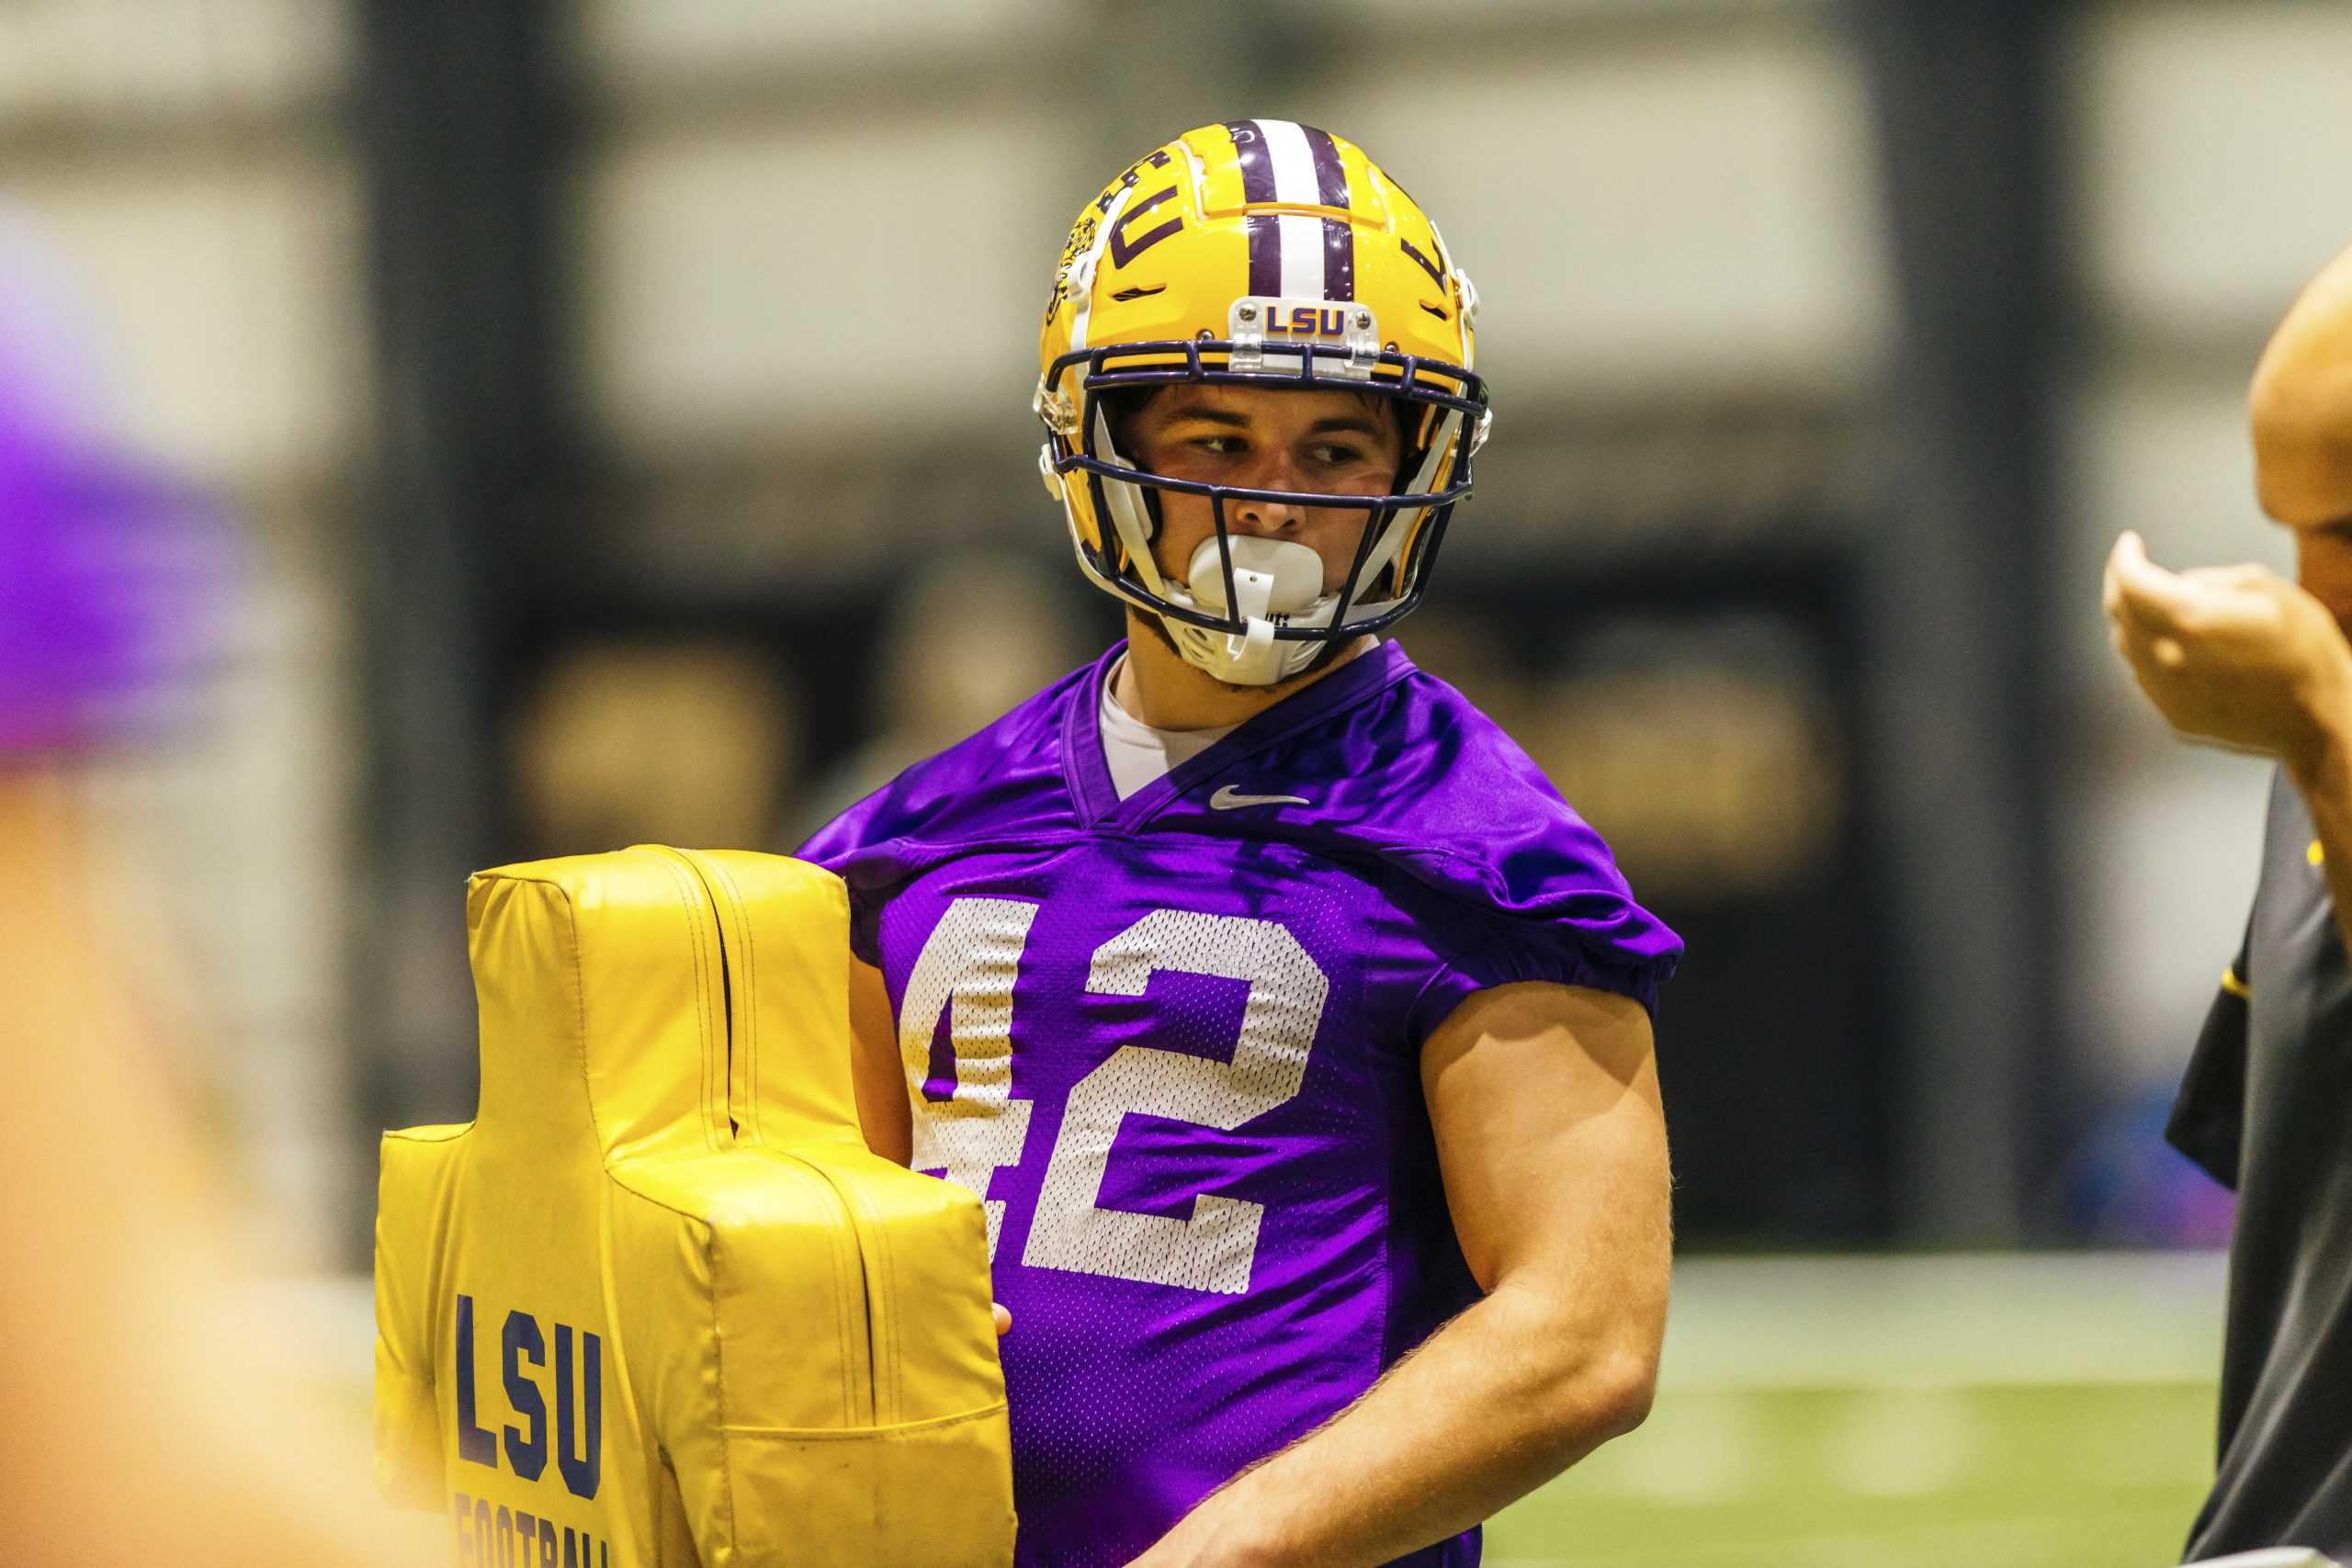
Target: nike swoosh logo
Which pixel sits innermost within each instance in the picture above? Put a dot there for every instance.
(1226, 799)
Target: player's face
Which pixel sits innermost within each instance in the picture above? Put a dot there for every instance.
(1338, 443)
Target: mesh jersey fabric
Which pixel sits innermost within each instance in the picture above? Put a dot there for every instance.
(1174, 1043)
(2261, 1108)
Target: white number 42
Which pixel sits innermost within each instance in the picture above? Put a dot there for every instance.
(966, 972)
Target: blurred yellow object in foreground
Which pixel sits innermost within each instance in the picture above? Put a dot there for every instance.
(657, 1303)
(146, 1414)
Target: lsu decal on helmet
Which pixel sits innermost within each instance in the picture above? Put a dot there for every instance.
(1258, 253)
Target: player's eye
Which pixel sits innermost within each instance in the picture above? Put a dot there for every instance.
(1221, 446)
(1334, 454)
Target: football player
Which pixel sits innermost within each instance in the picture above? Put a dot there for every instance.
(1293, 1031)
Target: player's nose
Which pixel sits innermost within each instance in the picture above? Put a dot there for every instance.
(1265, 517)
(1279, 470)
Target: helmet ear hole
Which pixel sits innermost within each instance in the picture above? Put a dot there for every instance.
(1120, 407)
(1131, 504)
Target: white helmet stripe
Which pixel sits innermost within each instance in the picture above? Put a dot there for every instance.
(1303, 259)
(1293, 162)
(1304, 263)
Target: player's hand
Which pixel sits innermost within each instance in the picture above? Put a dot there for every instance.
(2233, 654)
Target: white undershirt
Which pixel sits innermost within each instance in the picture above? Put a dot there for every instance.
(1136, 752)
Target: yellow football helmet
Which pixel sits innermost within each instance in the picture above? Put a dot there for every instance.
(1258, 253)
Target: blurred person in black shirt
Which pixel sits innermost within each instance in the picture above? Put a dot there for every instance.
(2240, 656)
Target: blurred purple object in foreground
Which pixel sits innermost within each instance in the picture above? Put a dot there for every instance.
(109, 573)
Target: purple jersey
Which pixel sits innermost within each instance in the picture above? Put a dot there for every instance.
(108, 572)
(1174, 1043)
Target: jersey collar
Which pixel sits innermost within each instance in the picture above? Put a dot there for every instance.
(1089, 776)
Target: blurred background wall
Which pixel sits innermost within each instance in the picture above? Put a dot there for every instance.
(626, 400)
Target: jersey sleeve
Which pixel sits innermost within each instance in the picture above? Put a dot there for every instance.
(2208, 1119)
(1512, 884)
(855, 847)
(1553, 908)
(1631, 955)
(875, 845)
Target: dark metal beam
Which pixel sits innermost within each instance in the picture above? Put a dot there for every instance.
(459, 137)
(1962, 563)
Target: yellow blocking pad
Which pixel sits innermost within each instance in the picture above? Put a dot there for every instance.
(657, 1303)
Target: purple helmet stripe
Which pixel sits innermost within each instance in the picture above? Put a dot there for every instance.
(1339, 259)
(1330, 178)
(1258, 185)
(1257, 163)
(1339, 239)
(1265, 231)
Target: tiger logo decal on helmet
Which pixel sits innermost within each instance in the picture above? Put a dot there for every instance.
(1258, 253)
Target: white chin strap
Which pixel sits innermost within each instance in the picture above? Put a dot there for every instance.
(1273, 578)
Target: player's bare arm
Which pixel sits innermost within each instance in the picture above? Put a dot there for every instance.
(1544, 1100)
(880, 1082)
(875, 1072)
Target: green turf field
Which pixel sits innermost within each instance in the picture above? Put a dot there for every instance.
(1992, 1412)
(2018, 1477)
(1980, 1411)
